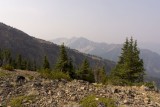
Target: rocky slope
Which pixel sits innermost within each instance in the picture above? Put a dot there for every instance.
(40, 92)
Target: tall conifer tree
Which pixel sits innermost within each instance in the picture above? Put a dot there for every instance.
(46, 64)
(34, 65)
(130, 67)
(71, 68)
(62, 62)
(85, 72)
(19, 62)
(1, 57)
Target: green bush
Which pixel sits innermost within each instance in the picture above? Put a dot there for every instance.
(93, 101)
(122, 82)
(17, 101)
(150, 85)
(116, 81)
(46, 73)
(60, 75)
(8, 67)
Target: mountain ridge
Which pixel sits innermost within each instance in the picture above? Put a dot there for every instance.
(32, 48)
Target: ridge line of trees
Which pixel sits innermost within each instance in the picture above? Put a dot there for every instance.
(64, 64)
(10, 63)
(129, 69)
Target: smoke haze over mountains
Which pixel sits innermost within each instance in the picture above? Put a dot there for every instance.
(109, 21)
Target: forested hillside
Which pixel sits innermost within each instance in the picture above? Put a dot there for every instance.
(35, 49)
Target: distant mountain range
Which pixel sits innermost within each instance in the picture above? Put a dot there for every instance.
(151, 46)
(32, 48)
(112, 52)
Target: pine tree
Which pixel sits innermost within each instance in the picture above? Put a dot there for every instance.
(130, 67)
(100, 75)
(62, 62)
(138, 67)
(28, 66)
(23, 65)
(1, 57)
(85, 72)
(13, 63)
(103, 75)
(34, 65)
(19, 62)
(6, 57)
(46, 64)
(71, 68)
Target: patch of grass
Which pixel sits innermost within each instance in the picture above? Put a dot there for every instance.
(46, 73)
(3, 74)
(121, 82)
(93, 101)
(150, 85)
(30, 77)
(60, 75)
(17, 101)
(8, 67)
(115, 81)
(98, 85)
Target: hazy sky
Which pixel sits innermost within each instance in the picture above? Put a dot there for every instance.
(99, 20)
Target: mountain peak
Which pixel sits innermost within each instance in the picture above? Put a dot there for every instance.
(82, 38)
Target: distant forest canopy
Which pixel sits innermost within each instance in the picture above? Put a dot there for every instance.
(64, 66)
(18, 62)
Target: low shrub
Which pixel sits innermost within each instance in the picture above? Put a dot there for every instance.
(46, 73)
(116, 81)
(8, 67)
(93, 101)
(121, 82)
(17, 101)
(150, 85)
(60, 75)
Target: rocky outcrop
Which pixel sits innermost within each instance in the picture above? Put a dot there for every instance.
(40, 92)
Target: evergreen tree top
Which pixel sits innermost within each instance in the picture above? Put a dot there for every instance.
(46, 64)
(130, 66)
